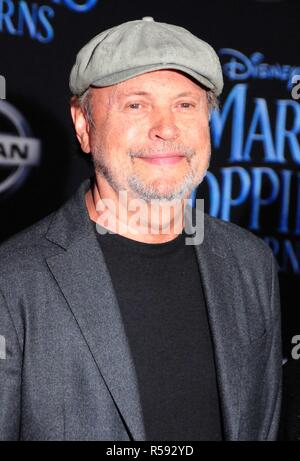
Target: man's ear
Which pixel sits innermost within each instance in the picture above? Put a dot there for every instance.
(81, 126)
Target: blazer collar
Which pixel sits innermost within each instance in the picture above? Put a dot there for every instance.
(71, 222)
(218, 280)
(83, 278)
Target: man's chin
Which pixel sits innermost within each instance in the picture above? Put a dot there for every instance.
(161, 190)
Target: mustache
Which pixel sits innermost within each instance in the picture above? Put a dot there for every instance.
(162, 148)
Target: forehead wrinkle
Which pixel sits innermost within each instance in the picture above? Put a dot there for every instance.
(112, 96)
(126, 93)
(134, 92)
(106, 100)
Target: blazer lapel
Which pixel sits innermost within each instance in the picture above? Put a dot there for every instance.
(218, 286)
(83, 278)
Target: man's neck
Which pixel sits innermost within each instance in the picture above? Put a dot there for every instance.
(133, 218)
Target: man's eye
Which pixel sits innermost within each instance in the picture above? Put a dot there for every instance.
(134, 105)
(186, 105)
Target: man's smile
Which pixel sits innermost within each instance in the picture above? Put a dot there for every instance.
(163, 158)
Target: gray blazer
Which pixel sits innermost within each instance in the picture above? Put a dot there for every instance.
(66, 372)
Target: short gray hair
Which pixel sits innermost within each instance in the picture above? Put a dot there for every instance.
(84, 101)
(213, 101)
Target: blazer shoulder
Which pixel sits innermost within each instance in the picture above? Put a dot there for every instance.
(27, 243)
(28, 249)
(250, 259)
(242, 242)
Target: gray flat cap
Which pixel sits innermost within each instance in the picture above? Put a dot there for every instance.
(137, 47)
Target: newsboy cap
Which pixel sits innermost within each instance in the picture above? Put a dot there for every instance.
(136, 47)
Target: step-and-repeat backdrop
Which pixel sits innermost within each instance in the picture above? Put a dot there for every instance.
(254, 178)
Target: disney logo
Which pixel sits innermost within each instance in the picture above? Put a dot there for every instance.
(74, 5)
(241, 67)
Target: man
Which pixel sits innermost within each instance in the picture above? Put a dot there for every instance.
(113, 326)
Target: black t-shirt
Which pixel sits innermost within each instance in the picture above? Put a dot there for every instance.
(158, 288)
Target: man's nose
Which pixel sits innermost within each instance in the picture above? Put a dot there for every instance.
(163, 126)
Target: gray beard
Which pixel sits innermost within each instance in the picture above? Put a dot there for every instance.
(149, 192)
(142, 190)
